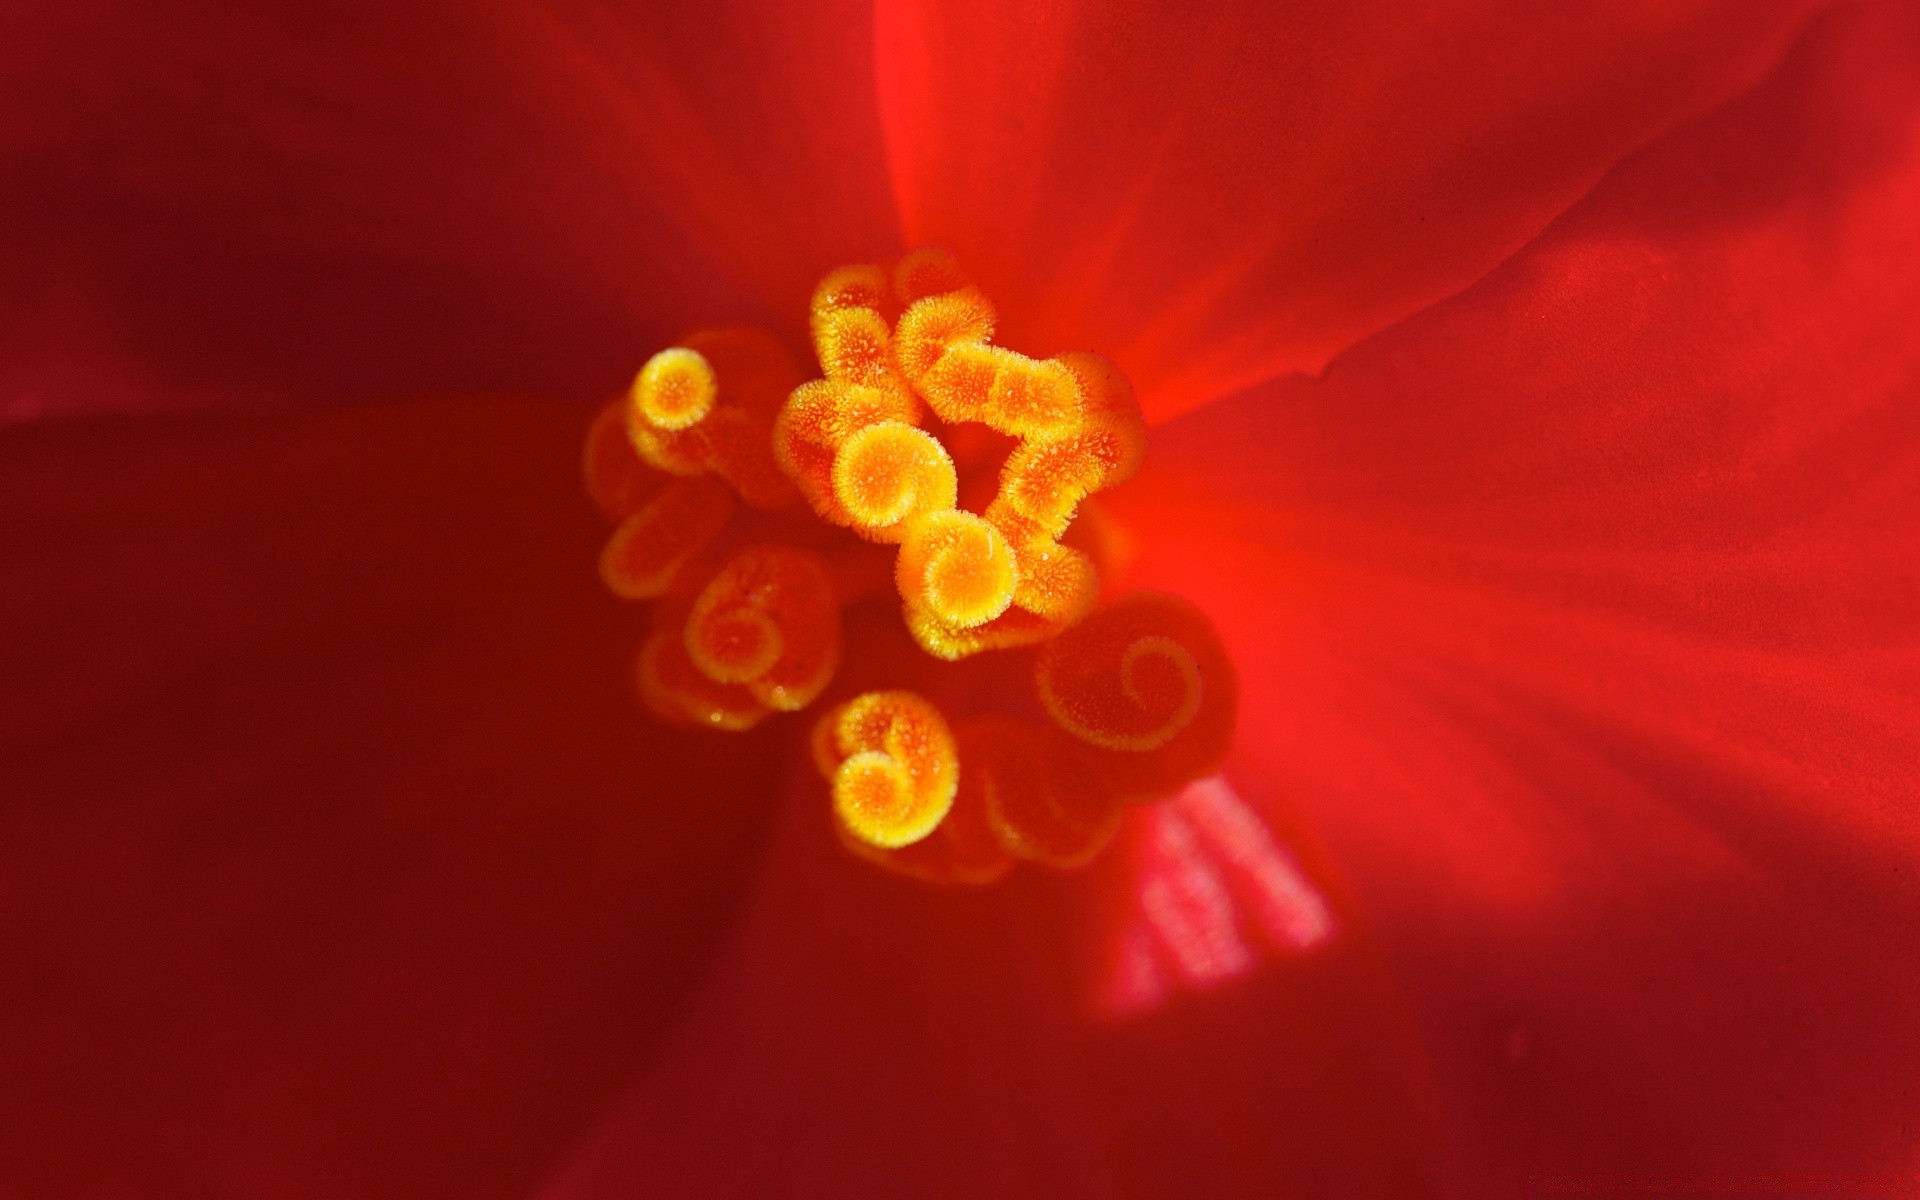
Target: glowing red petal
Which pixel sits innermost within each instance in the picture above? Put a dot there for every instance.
(1218, 193)
(1577, 619)
(869, 1037)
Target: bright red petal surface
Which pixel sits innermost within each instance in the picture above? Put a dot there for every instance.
(1578, 619)
(428, 196)
(335, 858)
(874, 1037)
(1220, 193)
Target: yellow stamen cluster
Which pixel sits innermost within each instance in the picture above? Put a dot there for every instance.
(738, 632)
(894, 337)
(698, 465)
(1142, 698)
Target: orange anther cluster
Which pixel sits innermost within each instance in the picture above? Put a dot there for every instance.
(893, 765)
(736, 634)
(960, 466)
(893, 336)
(708, 406)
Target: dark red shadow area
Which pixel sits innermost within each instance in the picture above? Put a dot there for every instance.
(338, 859)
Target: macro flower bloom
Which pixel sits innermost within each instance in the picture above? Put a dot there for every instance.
(1532, 405)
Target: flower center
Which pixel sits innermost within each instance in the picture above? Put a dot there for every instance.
(1015, 710)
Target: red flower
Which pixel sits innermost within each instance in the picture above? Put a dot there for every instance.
(1574, 604)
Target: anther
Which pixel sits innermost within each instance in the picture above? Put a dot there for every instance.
(948, 333)
(817, 421)
(848, 289)
(888, 473)
(928, 271)
(958, 568)
(1147, 678)
(768, 621)
(675, 389)
(708, 406)
(964, 850)
(895, 767)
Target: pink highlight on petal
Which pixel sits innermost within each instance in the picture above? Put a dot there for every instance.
(1187, 905)
(1135, 981)
(1214, 891)
(1267, 880)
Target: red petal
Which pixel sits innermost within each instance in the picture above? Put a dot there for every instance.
(437, 195)
(1219, 193)
(873, 1037)
(338, 859)
(1577, 616)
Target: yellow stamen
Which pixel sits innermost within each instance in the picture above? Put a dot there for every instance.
(895, 767)
(958, 568)
(675, 389)
(768, 621)
(818, 419)
(707, 407)
(889, 473)
(964, 850)
(975, 461)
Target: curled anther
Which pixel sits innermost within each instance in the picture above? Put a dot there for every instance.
(679, 693)
(819, 418)
(708, 406)
(958, 568)
(769, 622)
(675, 389)
(1046, 479)
(893, 766)
(941, 347)
(963, 850)
(1147, 679)
(889, 473)
(927, 271)
(862, 286)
